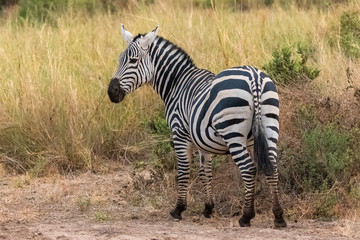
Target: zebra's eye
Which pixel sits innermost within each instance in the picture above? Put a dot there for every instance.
(133, 60)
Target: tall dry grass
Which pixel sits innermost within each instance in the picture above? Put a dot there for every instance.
(55, 113)
(54, 104)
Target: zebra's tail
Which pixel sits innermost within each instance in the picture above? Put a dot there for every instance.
(261, 152)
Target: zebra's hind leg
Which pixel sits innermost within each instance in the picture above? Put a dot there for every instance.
(206, 177)
(243, 161)
(272, 181)
(183, 151)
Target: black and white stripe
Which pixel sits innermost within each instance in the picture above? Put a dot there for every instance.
(217, 114)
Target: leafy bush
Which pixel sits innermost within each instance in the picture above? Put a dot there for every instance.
(42, 11)
(48, 10)
(324, 206)
(306, 117)
(326, 154)
(289, 66)
(218, 160)
(350, 34)
(162, 155)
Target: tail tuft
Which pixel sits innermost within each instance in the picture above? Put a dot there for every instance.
(261, 149)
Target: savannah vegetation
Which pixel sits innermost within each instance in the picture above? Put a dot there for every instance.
(58, 56)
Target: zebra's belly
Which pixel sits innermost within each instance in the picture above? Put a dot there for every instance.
(210, 141)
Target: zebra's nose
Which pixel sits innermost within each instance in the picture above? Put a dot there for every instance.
(116, 94)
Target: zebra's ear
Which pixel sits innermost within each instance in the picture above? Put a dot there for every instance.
(128, 37)
(148, 39)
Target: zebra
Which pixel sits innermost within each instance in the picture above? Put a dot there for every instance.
(217, 114)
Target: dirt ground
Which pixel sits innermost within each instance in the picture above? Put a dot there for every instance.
(100, 206)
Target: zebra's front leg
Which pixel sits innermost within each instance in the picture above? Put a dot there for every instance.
(183, 150)
(206, 177)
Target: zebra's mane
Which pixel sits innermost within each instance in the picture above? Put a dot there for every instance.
(174, 46)
(138, 36)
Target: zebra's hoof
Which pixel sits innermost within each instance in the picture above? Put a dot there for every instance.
(208, 211)
(280, 223)
(244, 222)
(207, 215)
(176, 214)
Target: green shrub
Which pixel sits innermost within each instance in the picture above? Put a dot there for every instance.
(306, 117)
(350, 34)
(101, 216)
(326, 155)
(218, 160)
(46, 11)
(354, 191)
(158, 125)
(41, 11)
(292, 169)
(162, 154)
(83, 202)
(324, 206)
(289, 66)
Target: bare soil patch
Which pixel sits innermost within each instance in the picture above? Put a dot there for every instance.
(91, 206)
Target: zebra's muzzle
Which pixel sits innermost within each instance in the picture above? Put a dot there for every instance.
(115, 92)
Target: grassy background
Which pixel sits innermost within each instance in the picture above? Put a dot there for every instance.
(58, 58)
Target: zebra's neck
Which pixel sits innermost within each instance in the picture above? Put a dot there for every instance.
(172, 68)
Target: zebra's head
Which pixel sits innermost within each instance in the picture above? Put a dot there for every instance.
(135, 67)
